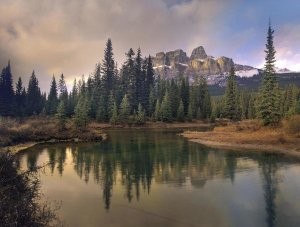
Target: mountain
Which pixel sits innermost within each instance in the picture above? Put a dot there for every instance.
(176, 63)
(173, 63)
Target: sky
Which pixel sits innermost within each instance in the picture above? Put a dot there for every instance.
(69, 36)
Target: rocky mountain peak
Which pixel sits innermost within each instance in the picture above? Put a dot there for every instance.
(173, 63)
(198, 53)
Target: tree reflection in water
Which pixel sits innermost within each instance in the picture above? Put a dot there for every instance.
(136, 159)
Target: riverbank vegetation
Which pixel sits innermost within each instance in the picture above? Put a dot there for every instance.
(20, 197)
(44, 129)
(252, 135)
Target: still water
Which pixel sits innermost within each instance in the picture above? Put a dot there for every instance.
(156, 178)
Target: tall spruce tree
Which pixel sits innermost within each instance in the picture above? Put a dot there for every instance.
(61, 115)
(149, 86)
(180, 112)
(231, 108)
(114, 117)
(81, 116)
(52, 101)
(166, 110)
(34, 103)
(20, 99)
(157, 111)
(124, 110)
(108, 77)
(6, 92)
(62, 87)
(269, 94)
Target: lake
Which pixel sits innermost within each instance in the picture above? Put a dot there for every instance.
(156, 178)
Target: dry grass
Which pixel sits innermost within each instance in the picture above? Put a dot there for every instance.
(37, 129)
(251, 132)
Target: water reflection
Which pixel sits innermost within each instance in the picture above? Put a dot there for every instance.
(135, 160)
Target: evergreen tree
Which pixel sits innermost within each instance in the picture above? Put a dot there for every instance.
(185, 96)
(166, 111)
(252, 107)
(269, 94)
(100, 113)
(157, 111)
(97, 91)
(190, 113)
(130, 75)
(81, 113)
(111, 102)
(61, 115)
(6, 92)
(139, 79)
(20, 99)
(108, 77)
(149, 86)
(205, 101)
(231, 108)
(63, 91)
(180, 112)
(34, 96)
(114, 117)
(140, 118)
(124, 110)
(73, 99)
(52, 98)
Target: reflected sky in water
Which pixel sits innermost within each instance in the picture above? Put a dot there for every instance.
(155, 178)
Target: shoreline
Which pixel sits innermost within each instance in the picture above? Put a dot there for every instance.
(14, 149)
(248, 136)
(95, 132)
(247, 147)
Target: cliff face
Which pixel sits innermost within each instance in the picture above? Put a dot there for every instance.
(176, 62)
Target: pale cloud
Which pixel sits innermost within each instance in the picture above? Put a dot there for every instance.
(63, 36)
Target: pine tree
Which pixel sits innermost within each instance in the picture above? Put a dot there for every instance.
(34, 96)
(6, 92)
(129, 74)
(81, 116)
(100, 112)
(269, 94)
(61, 115)
(140, 117)
(180, 112)
(140, 80)
(108, 77)
(231, 108)
(190, 113)
(149, 86)
(252, 108)
(166, 111)
(52, 102)
(73, 99)
(185, 96)
(20, 99)
(110, 107)
(114, 117)
(157, 111)
(124, 110)
(205, 101)
(63, 91)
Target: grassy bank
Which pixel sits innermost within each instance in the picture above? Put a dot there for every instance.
(250, 135)
(18, 135)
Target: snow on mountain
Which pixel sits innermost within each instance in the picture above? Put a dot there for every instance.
(247, 73)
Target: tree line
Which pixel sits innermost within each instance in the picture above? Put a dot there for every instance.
(130, 94)
(133, 94)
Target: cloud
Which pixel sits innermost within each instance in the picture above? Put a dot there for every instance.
(62, 36)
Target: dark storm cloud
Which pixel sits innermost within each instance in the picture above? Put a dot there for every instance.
(63, 36)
